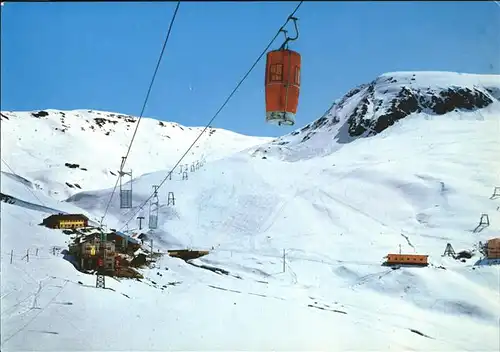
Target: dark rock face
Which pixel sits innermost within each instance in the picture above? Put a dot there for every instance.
(371, 108)
(461, 99)
(39, 114)
(7, 199)
(102, 121)
(409, 101)
(405, 103)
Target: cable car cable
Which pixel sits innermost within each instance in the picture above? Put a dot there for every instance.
(29, 189)
(142, 110)
(220, 109)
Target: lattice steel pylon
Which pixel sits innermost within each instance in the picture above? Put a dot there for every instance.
(103, 236)
(154, 205)
(496, 193)
(100, 281)
(449, 251)
(484, 222)
(170, 198)
(125, 191)
(185, 175)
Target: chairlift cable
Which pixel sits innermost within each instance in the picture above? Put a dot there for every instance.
(29, 189)
(220, 109)
(124, 160)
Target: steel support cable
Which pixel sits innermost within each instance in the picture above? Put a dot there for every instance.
(29, 189)
(218, 111)
(142, 110)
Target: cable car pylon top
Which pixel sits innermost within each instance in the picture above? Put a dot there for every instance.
(282, 81)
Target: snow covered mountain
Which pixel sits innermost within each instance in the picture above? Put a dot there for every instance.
(371, 108)
(408, 161)
(65, 152)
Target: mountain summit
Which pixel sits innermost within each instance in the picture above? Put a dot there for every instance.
(373, 107)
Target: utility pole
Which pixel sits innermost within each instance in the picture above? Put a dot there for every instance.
(140, 221)
(284, 260)
(151, 250)
(35, 300)
(399, 249)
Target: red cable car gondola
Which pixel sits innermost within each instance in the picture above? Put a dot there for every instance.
(283, 82)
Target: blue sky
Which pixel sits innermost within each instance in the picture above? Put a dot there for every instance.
(101, 56)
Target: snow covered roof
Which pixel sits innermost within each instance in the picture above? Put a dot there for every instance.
(128, 237)
(62, 216)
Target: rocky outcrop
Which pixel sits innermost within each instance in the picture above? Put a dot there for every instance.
(408, 101)
(371, 108)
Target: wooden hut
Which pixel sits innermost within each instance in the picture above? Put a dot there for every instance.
(407, 259)
(493, 248)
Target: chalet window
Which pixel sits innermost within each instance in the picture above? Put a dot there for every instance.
(276, 73)
(297, 75)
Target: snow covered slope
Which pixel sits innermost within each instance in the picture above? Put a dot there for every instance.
(371, 108)
(317, 304)
(48, 306)
(336, 211)
(20, 192)
(64, 152)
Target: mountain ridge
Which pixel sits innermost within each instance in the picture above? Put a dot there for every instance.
(371, 108)
(34, 138)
